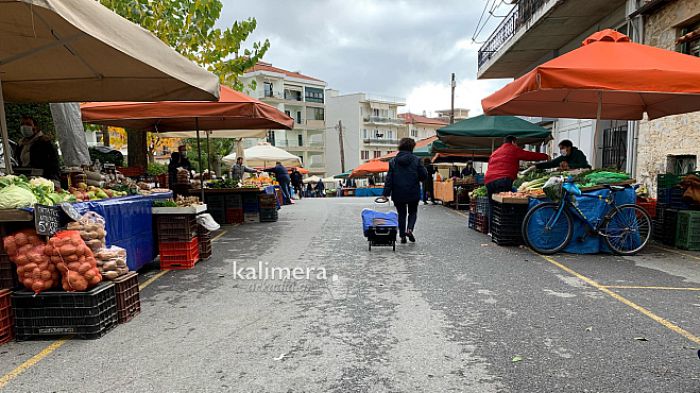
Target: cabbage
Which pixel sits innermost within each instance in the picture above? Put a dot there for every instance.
(42, 184)
(13, 196)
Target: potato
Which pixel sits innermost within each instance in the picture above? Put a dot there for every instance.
(111, 275)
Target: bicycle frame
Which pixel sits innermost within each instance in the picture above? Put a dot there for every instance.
(566, 203)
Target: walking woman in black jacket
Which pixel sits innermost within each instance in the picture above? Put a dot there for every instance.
(402, 184)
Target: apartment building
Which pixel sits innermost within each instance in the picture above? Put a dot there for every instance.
(460, 114)
(536, 31)
(371, 127)
(421, 127)
(300, 96)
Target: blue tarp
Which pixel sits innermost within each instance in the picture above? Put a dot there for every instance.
(370, 191)
(593, 206)
(379, 219)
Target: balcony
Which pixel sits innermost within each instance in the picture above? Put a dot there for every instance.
(386, 99)
(320, 124)
(535, 31)
(383, 120)
(380, 141)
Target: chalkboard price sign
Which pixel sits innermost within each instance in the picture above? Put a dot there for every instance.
(47, 219)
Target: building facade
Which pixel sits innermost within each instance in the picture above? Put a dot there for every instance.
(421, 127)
(670, 144)
(371, 127)
(301, 97)
(460, 114)
(536, 31)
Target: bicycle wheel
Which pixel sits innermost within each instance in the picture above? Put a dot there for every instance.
(547, 240)
(627, 230)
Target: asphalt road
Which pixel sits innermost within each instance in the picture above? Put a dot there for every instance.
(451, 313)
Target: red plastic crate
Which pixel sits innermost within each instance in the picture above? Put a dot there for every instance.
(8, 273)
(649, 205)
(131, 171)
(128, 296)
(181, 262)
(234, 216)
(177, 249)
(6, 323)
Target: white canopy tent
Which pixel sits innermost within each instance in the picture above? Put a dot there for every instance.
(312, 179)
(265, 155)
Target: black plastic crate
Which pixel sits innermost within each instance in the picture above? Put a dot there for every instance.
(215, 200)
(172, 227)
(128, 297)
(86, 315)
(249, 198)
(268, 215)
(510, 208)
(233, 201)
(8, 273)
(482, 205)
(251, 207)
(218, 214)
(670, 221)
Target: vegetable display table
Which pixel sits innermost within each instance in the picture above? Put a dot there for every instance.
(369, 191)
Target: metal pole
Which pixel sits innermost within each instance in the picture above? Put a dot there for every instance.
(208, 153)
(599, 114)
(7, 152)
(453, 84)
(201, 164)
(342, 149)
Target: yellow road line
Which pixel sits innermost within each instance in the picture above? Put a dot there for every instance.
(664, 322)
(5, 379)
(650, 287)
(31, 362)
(677, 252)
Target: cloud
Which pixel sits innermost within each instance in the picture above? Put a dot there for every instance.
(397, 48)
(432, 96)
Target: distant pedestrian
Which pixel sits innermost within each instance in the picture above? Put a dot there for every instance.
(406, 172)
(282, 176)
(320, 189)
(297, 182)
(428, 190)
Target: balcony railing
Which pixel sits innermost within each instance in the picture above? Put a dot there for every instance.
(519, 16)
(380, 141)
(379, 119)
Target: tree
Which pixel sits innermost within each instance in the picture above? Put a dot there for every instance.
(189, 26)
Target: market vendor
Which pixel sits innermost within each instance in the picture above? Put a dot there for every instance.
(469, 170)
(503, 167)
(178, 160)
(36, 150)
(282, 176)
(238, 170)
(570, 158)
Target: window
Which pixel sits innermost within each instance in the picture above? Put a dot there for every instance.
(377, 154)
(615, 146)
(391, 134)
(375, 112)
(364, 134)
(298, 117)
(314, 94)
(292, 95)
(414, 132)
(268, 89)
(689, 40)
(315, 114)
(300, 139)
(378, 134)
(271, 137)
(288, 113)
(364, 155)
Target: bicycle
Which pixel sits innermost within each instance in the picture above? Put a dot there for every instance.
(548, 227)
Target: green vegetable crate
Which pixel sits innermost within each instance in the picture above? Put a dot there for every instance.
(688, 230)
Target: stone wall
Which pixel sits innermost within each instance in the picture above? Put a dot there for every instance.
(672, 135)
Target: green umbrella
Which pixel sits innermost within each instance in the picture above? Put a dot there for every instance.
(489, 131)
(343, 175)
(423, 151)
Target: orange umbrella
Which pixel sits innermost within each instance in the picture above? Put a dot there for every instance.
(369, 168)
(609, 77)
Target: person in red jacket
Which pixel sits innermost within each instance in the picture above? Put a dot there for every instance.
(504, 164)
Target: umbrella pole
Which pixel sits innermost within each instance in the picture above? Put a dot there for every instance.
(597, 127)
(201, 166)
(5, 135)
(208, 153)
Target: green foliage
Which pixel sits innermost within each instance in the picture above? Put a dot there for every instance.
(155, 169)
(189, 26)
(40, 112)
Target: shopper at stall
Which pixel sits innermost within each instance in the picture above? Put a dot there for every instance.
(503, 167)
(320, 189)
(282, 176)
(468, 170)
(571, 158)
(177, 160)
(36, 150)
(406, 172)
(428, 190)
(297, 182)
(238, 170)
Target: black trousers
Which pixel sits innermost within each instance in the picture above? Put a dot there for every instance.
(409, 209)
(428, 191)
(496, 186)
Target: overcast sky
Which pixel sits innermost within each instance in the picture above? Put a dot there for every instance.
(395, 48)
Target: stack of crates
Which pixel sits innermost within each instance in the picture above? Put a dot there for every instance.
(234, 209)
(666, 225)
(688, 230)
(658, 222)
(177, 241)
(472, 213)
(268, 207)
(8, 272)
(251, 208)
(216, 206)
(481, 223)
(506, 223)
(128, 297)
(52, 314)
(6, 323)
(669, 192)
(204, 238)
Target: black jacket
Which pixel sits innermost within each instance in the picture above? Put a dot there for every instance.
(404, 177)
(42, 155)
(576, 160)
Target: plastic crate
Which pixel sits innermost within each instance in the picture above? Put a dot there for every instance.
(251, 217)
(6, 322)
(8, 273)
(175, 249)
(688, 230)
(234, 216)
(268, 215)
(649, 205)
(673, 197)
(180, 262)
(218, 214)
(669, 227)
(251, 207)
(233, 201)
(481, 223)
(128, 297)
(482, 205)
(215, 201)
(177, 228)
(667, 180)
(204, 249)
(86, 315)
(249, 197)
(267, 201)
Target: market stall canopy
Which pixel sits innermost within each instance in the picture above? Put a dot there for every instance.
(422, 149)
(475, 151)
(265, 155)
(456, 157)
(343, 175)
(234, 110)
(79, 50)
(221, 134)
(608, 77)
(489, 131)
(370, 168)
(312, 179)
